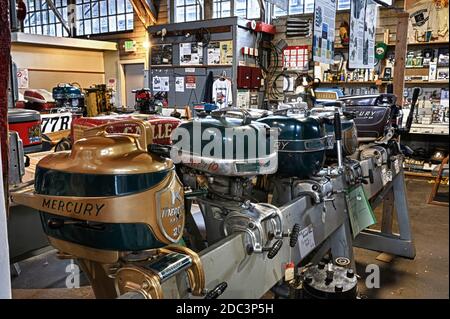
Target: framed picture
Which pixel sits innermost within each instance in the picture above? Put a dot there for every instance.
(442, 73)
(443, 57)
(387, 74)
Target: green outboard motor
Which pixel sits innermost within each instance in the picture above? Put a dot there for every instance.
(302, 143)
(244, 147)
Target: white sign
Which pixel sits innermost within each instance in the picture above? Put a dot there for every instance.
(55, 122)
(179, 84)
(22, 78)
(306, 241)
(324, 29)
(191, 53)
(160, 84)
(111, 84)
(363, 18)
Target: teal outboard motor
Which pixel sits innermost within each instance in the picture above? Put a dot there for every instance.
(302, 144)
(348, 128)
(231, 151)
(69, 97)
(242, 147)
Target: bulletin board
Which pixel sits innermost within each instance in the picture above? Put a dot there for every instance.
(296, 57)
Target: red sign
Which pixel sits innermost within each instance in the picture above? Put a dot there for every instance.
(296, 57)
(190, 82)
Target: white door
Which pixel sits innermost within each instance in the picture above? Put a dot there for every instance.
(134, 79)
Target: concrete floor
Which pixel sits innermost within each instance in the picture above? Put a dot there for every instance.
(426, 276)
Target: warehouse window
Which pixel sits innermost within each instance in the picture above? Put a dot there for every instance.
(248, 9)
(221, 8)
(305, 6)
(93, 17)
(104, 16)
(41, 20)
(188, 10)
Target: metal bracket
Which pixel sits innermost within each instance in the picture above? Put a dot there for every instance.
(385, 240)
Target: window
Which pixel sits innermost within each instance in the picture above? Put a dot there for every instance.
(221, 8)
(104, 16)
(41, 20)
(92, 17)
(188, 10)
(305, 6)
(248, 9)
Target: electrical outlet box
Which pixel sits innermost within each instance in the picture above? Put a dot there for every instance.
(244, 80)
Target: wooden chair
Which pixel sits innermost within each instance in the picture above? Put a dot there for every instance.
(443, 171)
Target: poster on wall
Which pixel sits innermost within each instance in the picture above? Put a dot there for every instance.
(324, 24)
(428, 20)
(363, 18)
(191, 53)
(214, 53)
(190, 82)
(296, 57)
(226, 52)
(179, 84)
(160, 84)
(22, 78)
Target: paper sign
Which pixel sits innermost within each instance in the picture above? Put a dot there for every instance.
(214, 53)
(363, 18)
(324, 22)
(190, 82)
(111, 84)
(226, 52)
(22, 78)
(359, 210)
(179, 84)
(160, 84)
(189, 70)
(191, 53)
(306, 241)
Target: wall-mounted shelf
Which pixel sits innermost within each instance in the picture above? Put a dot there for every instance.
(438, 82)
(376, 83)
(417, 67)
(428, 43)
(165, 66)
(421, 43)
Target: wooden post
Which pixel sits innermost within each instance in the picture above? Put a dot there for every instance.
(400, 55)
(208, 9)
(5, 56)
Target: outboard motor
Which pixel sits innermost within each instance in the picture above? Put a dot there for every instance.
(222, 154)
(375, 114)
(162, 126)
(314, 147)
(114, 207)
(302, 143)
(69, 97)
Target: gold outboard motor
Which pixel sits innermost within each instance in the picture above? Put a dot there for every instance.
(114, 206)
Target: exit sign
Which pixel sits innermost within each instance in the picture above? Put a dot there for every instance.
(129, 46)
